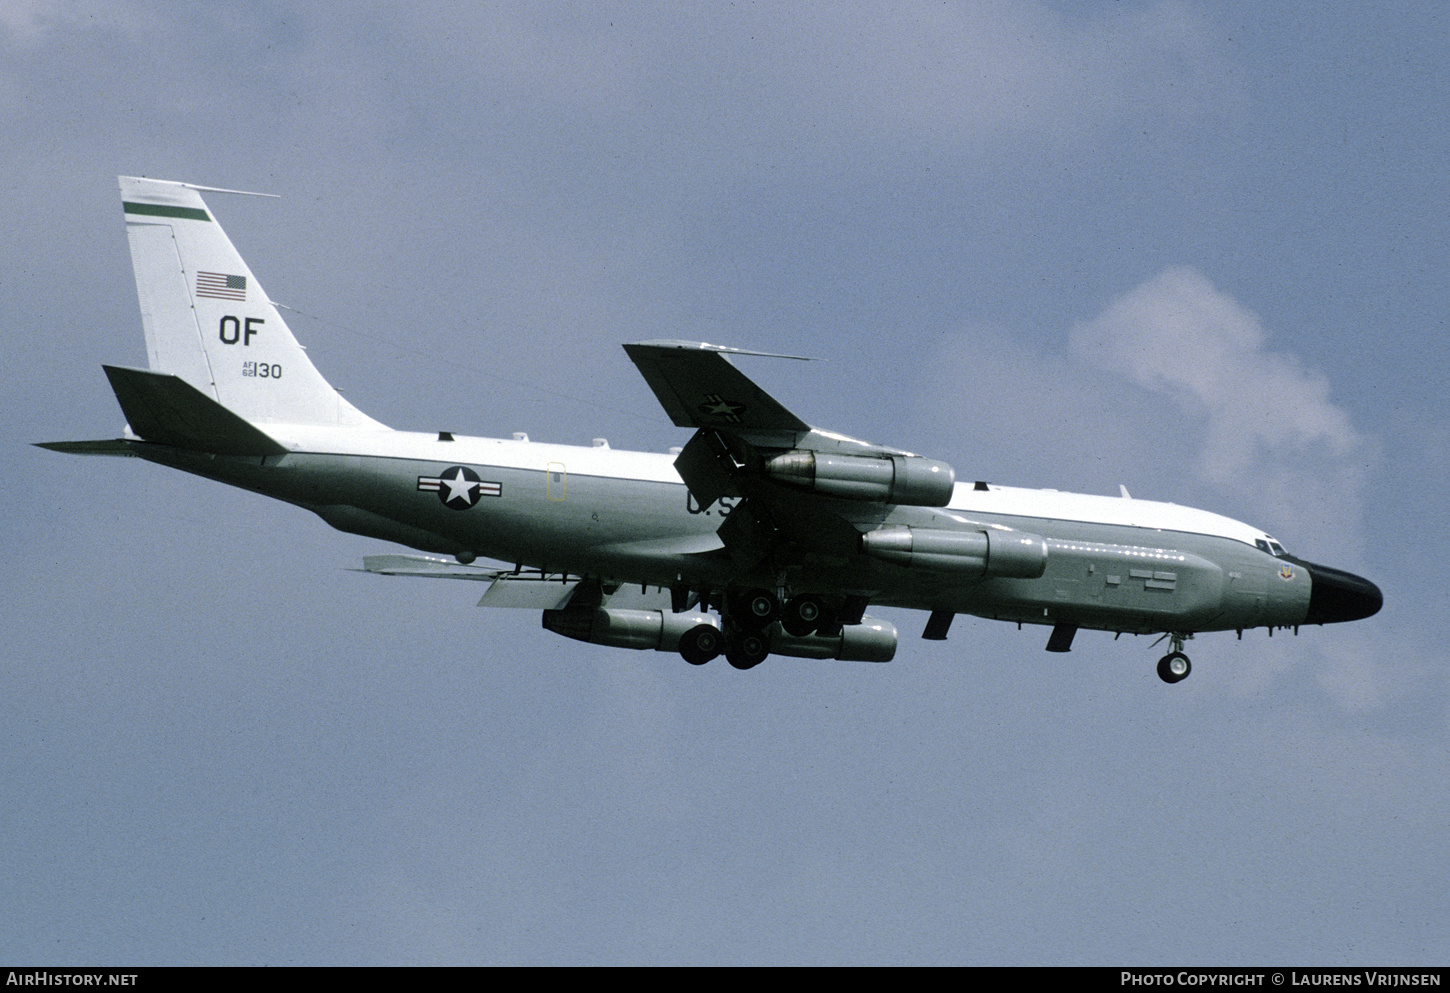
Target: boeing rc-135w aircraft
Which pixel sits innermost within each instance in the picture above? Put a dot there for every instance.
(762, 535)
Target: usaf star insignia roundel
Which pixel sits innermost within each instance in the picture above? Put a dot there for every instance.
(459, 487)
(717, 406)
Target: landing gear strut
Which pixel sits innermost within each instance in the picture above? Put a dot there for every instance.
(1175, 666)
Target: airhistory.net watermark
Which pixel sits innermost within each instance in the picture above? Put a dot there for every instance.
(46, 977)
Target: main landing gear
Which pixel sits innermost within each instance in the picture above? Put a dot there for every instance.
(746, 649)
(743, 649)
(701, 643)
(748, 616)
(1175, 667)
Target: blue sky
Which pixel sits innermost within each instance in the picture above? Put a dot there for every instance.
(1198, 249)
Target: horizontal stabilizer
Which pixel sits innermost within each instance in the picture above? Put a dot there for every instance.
(111, 446)
(167, 410)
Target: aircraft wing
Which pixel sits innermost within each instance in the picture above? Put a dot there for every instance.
(699, 388)
(803, 487)
(530, 590)
(429, 566)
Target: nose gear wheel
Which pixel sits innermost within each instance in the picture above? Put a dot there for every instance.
(1174, 667)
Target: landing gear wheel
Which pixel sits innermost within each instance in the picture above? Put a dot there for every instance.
(1174, 667)
(753, 610)
(747, 649)
(802, 615)
(701, 643)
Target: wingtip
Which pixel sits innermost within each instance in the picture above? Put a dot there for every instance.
(663, 344)
(106, 446)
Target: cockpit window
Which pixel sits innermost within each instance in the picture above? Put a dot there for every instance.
(1277, 548)
(1263, 545)
(1271, 546)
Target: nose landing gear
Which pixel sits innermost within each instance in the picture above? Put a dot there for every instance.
(1174, 666)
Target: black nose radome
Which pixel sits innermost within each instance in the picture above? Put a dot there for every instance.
(1336, 595)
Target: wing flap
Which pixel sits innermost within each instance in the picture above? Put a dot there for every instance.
(706, 466)
(426, 565)
(532, 592)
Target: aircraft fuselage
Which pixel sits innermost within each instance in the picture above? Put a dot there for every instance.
(1112, 563)
(787, 531)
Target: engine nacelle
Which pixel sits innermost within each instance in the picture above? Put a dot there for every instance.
(901, 479)
(657, 629)
(993, 552)
(873, 640)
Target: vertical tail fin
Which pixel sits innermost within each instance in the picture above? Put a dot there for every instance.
(208, 321)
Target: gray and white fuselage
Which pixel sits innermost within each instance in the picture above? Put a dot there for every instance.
(786, 531)
(1113, 563)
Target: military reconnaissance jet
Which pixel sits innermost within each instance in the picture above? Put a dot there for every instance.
(763, 535)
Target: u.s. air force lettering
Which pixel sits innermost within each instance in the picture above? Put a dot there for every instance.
(459, 487)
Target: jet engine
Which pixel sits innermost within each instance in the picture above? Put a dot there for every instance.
(901, 479)
(991, 552)
(657, 629)
(872, 640)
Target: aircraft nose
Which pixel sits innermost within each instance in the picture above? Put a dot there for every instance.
(1336, 595)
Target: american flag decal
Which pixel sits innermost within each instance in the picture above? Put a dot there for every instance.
(221, 286)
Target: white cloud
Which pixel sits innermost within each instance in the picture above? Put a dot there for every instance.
(1010, 410)
(1176, 378)
(1274, 440)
